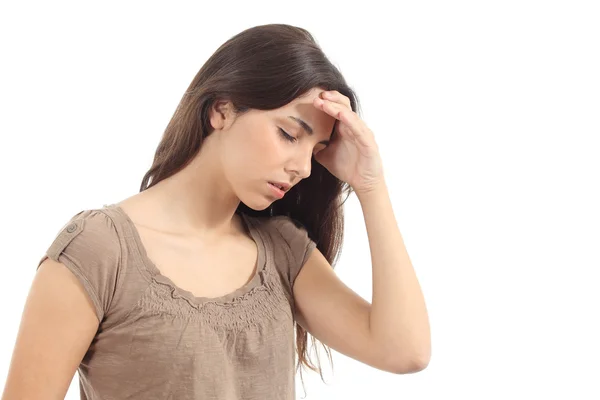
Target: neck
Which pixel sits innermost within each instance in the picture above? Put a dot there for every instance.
(196, 200)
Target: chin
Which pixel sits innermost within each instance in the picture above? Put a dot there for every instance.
(257, 204)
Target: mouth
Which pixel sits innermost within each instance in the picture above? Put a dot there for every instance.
(278, 189)
(284, 187)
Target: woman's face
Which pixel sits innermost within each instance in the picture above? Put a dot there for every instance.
(254, 148)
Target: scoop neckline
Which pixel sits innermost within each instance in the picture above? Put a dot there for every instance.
(177, 291)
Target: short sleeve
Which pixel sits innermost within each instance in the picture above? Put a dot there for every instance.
(298, 243)
(88, 245)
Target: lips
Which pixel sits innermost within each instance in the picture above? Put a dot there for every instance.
(281, 185)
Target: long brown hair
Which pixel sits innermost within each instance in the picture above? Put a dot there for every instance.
(264, 68)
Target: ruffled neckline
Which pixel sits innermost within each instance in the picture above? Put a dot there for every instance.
(236, 296)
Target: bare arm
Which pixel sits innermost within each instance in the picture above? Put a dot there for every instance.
(392, 333)
(57, 327)
(399, 315)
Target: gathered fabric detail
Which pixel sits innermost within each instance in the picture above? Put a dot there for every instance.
(267, 300)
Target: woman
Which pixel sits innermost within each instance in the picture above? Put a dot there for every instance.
(196, 287)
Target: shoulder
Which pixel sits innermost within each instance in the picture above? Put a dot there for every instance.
(290, 241)
(96, 223)
(89, 233)
(88, 245)
(283, 228)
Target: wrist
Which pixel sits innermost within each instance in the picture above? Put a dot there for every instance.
(376, 189)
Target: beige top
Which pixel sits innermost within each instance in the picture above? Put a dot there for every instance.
(158, 341)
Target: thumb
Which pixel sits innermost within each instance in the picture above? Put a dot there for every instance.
(322, 156)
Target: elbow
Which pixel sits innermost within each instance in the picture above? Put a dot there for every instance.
(408, 367)
(404, 368)
(403, 364)
(402, 356)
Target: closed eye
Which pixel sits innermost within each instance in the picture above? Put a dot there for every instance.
(286, 136)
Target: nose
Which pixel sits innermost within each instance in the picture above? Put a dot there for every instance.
(302, 165)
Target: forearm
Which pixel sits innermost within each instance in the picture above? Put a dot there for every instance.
(398, 319)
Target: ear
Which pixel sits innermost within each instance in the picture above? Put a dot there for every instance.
(220, 114)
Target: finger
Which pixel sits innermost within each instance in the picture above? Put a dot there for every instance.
(341, 113)
(337, 111)
(330, 107)
(358, 136)
(359, 132)
(356, 128)
(344, 131)
(334, 95)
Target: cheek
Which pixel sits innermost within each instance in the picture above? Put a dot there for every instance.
(257, 154)
(267, 149)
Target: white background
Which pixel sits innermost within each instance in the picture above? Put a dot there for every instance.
(488, 119)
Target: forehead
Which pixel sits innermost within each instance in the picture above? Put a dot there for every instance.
(302, 108)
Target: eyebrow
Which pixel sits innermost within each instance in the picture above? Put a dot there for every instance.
(307, 128)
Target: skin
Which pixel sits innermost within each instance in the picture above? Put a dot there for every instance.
(235, 163)
(195, 209)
